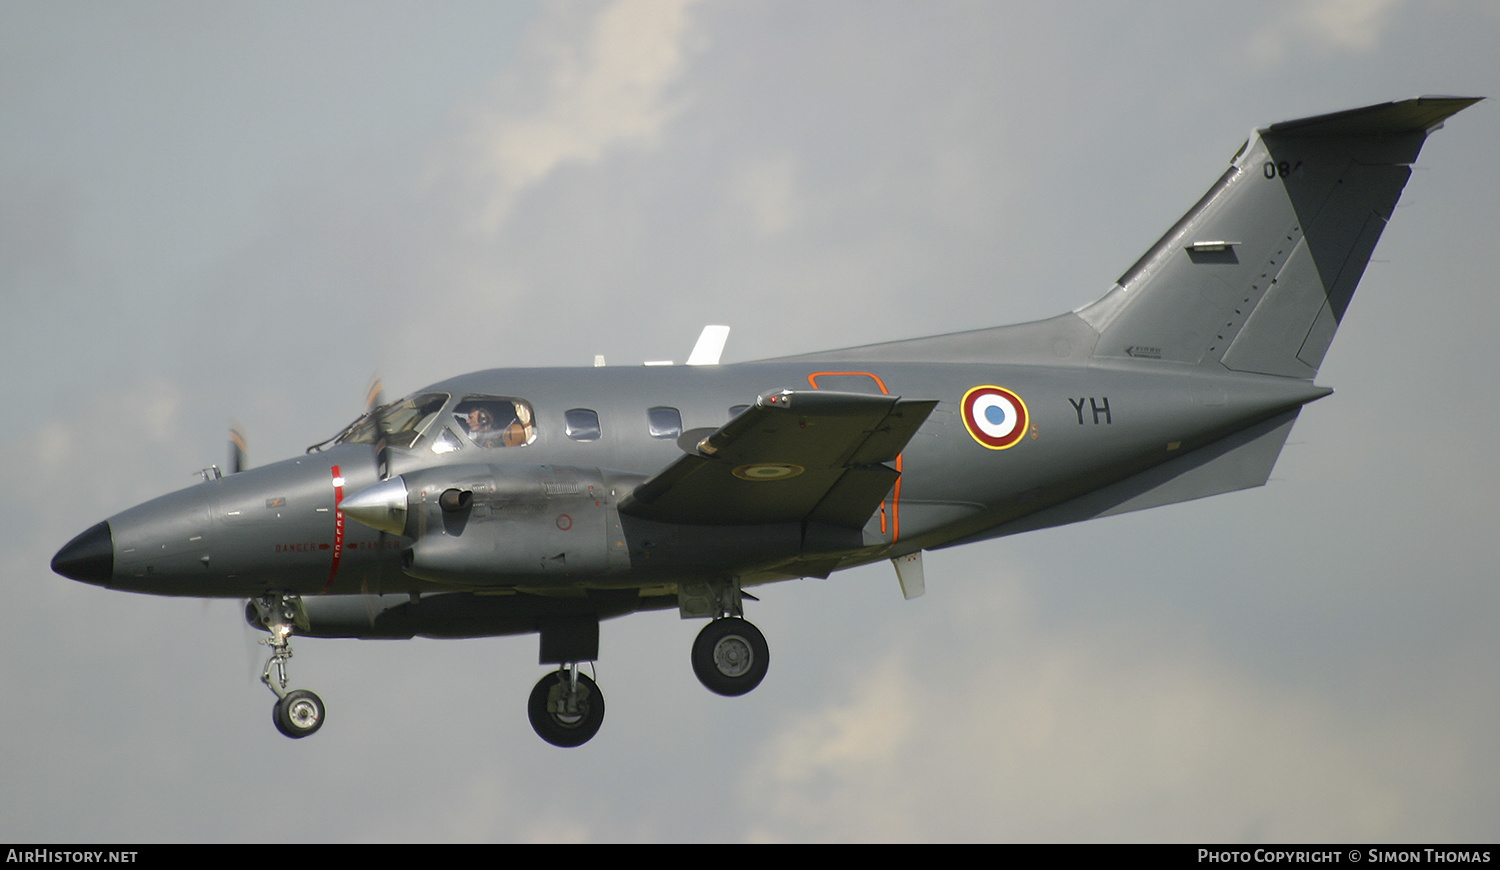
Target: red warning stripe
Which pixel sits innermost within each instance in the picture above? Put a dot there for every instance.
(338, 525)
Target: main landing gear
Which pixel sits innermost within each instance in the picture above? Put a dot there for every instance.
(566, 707)
(297, 713)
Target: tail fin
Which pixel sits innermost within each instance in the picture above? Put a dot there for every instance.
(1258, 274)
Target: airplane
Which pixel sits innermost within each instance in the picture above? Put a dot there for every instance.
(547, 500)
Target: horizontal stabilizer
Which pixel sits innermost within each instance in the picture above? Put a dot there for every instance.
(1420, 115)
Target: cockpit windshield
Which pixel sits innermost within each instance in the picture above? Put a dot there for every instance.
(400, 422)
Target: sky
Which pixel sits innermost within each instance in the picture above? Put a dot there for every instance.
(239, 212)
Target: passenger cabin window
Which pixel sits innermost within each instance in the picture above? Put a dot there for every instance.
(493, 421)
(664, 422)
(583, 424)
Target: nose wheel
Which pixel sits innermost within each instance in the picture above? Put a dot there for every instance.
(299, 714)
(566, 708)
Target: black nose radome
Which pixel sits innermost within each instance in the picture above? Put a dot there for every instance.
(90, 557)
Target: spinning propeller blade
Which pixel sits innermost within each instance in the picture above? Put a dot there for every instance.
(238, 452)
(375, 405)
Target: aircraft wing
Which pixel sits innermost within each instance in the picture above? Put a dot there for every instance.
(794, 455)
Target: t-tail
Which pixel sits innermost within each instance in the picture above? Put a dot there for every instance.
(1254, 278)
(1257, 276)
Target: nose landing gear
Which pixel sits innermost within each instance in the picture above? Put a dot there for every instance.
(297, 713)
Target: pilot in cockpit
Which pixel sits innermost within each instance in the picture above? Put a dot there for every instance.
(482, 427)
(481, 420)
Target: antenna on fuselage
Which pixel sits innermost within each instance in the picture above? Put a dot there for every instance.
(706, 350)
(709, 346)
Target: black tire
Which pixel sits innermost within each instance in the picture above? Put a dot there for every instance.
(730, 656)
(565, 729)
(299, 714)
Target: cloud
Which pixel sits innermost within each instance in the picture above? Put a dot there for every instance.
(767, 191)
(1350, 26)
(1044, 734)
(578, 98)
(144, 412)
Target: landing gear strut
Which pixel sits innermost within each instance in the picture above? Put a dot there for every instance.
(566, 707)
(297, 713)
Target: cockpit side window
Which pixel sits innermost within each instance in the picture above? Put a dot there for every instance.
(447, 442)
(494, 421)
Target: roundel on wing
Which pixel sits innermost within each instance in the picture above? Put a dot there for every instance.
(768, 471)
(995, 416)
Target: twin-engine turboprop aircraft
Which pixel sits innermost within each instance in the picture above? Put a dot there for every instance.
(546, 500)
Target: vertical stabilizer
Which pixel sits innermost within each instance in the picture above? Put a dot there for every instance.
(1258, 274)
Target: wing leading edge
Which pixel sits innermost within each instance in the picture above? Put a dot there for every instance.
(792, 456)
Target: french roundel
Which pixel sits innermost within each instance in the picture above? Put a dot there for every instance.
(995, 416)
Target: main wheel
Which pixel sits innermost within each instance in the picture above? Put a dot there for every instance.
(730, 656)
(564, 721)
(299, 714)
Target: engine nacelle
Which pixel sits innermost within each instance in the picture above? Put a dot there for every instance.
(487, 525)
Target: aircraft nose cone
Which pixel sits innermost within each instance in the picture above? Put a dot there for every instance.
(90, 557)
